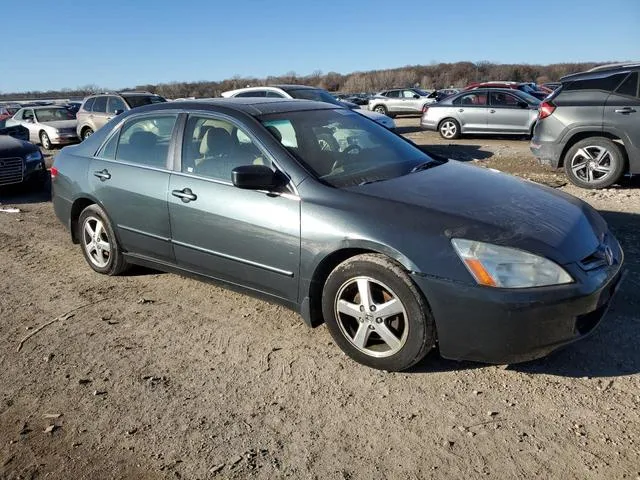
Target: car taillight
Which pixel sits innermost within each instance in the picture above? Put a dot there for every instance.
(54, 173)
(424, 109)
(545, 109)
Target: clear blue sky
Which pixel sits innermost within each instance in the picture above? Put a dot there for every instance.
(55, 44)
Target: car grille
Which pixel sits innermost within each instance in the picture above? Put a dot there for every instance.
(11, 171)
(602, 257)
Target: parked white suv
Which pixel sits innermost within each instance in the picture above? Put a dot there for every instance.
(307, 93)
(401, 101)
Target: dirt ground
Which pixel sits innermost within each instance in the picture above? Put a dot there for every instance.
(157, 376)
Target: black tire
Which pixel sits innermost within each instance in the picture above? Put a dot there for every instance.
(413, 328)
(585, 167)
(115, 262)
(449, 129)
(86, 133)
(45, 141)
(381, 109)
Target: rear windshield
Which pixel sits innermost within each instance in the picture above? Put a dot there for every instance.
(316, 94)
(141, 100)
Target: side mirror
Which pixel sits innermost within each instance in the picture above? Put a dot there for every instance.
(258, 177)
(118, 112)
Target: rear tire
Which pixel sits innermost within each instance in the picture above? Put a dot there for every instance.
(45, 141)
(86, 133)
(381, 109)
(449, 129)
(594, 162)
(376, 314)
(98, 242)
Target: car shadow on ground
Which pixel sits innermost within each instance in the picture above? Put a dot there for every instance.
(407, 129)
(612, 349)
(460, 152)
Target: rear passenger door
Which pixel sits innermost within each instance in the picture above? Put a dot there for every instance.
(394, 102)
(129, 176)
(507, 114)
(471, 111)
(99, 115)
(244, 237)
(622, 115)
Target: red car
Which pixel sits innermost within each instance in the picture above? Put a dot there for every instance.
(539, 92)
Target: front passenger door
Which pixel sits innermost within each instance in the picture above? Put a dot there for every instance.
(244, 237)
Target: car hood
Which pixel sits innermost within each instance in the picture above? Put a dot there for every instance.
(486, 205)
(12, 147)
(61, 124)
(378, 117)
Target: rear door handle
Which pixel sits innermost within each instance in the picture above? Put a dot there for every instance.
(186, 195)
(625, 110)
(103, 174)
(492, 111)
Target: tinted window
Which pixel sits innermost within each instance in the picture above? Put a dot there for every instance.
(393, 94)
(53, 114)
(252, 94)
(316, 94)
(141, 100)
(213, 148)
(146, 140)
(115, 103)
(471, 99)
(500, 99)
(629, 86)
(271, 94)
(607, 83)
(342, 148)
(109, 149)
(89, 104)
(100, 105)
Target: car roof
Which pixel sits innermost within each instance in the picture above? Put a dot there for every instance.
(250, 105)
(602, 71)
(43, 107)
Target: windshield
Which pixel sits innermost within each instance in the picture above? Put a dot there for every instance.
(343, 148)
(44, 115)
(316, 94)
(141, 100)
(421, 92)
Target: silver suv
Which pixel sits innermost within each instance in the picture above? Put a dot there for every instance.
(401, 101)
(591, 126)
(97, 110)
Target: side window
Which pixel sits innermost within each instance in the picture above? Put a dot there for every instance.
(501, 99)
(271, 94)
(213, 148)
(251, 94)
(393, 94)
(607, 84)
(283, 131)
(100, 105)
(408, 93)
(146, 140)
(115, 103)
(629, 86)
(28, 114)
(88, 104)
(20, 115)
(108, 151)
(471, 99)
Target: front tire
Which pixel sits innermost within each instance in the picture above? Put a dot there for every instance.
(594, 162)
(86, 133)
(45, 141)
(381, 109)
(376, 314)
(98, 241)
(449, 129)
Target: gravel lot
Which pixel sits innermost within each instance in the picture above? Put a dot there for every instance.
(158, 376)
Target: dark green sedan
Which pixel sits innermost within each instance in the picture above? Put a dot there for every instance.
(325, 211)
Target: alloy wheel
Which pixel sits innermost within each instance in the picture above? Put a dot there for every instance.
(448, 129)
(371, 317)
(592, 163)
(95, 241)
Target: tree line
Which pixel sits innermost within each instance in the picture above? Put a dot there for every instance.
(435, 76)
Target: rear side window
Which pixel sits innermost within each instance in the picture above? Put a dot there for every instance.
(114, 104)
(141, 100)
(100, 105)
(608, 84)
(88, 105)
(145, 141)
(472, 99)
(271, 94)
(393, 94)
(252, 94)
(629, 86)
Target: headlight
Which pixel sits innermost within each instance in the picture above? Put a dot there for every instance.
(34, 156)
(503, 267)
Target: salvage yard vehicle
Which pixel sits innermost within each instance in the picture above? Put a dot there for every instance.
(538, 91)
(590, 125)
(47, 125)
(97, 110)
(21, 162)
(396, 251)
(482, 111)
(401, 101)
(303, 92)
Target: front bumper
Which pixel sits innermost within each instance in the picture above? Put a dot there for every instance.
(546, 153)
(65, 139)
(508, 326)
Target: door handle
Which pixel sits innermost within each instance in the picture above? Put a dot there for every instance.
(492, 111)
(186, 195)
(461, 110)
(102, 174)
(625, 110)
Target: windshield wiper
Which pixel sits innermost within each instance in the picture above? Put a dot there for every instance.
(423, 166)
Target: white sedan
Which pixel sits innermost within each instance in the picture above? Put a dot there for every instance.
(303, 92)
(50, 125)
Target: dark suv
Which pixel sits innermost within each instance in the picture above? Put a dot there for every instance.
(591, 126)
(97, 110)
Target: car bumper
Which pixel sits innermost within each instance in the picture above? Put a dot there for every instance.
(428, 124)
(65, 139)
(510, 326)
(546, 153)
